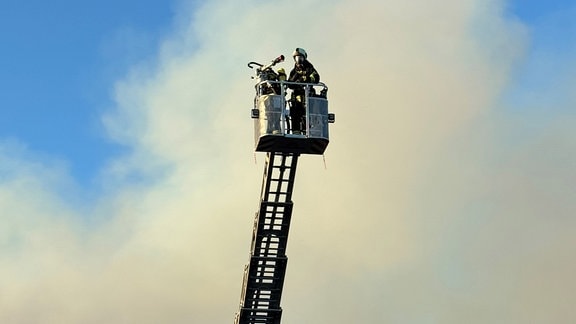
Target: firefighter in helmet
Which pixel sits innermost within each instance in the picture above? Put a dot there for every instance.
(303, 72)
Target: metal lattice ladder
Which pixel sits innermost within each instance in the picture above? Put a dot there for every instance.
(264, 275)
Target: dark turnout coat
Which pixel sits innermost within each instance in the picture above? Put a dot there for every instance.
(305, 73)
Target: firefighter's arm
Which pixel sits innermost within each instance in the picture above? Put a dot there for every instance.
(314, 77)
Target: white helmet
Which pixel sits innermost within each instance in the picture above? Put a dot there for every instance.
(300, 52)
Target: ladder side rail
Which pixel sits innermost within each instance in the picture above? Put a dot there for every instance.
(266, 180)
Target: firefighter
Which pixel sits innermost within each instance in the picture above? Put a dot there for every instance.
(303, 72)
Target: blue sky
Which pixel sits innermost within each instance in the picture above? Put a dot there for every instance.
(59, 62)
(552, 44)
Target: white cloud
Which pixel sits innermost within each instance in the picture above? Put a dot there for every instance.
(420, 217)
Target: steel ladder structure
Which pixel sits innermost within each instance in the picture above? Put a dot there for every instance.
(264, 274)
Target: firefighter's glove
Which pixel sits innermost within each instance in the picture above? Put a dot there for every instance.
(281, 74)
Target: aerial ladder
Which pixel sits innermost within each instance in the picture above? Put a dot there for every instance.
(264, 274)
